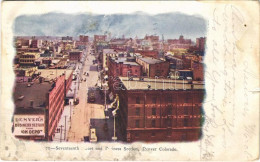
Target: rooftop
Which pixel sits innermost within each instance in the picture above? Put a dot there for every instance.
(159, 84)
(23, 95)
(150, 60)
(108, 51)
(124, 61)
(52, 73)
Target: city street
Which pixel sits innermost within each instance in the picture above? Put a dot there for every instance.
(80, 121)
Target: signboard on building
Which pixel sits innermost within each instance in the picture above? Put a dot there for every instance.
(29, 125)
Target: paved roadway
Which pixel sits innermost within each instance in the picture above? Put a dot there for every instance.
(80, 121)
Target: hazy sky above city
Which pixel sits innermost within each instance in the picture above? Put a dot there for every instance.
(171, 25)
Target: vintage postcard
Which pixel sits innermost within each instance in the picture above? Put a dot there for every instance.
(107, 80)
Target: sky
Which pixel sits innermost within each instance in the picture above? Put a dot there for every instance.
(170, 25)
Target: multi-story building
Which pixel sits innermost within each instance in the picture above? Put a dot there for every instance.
(148, 53)
(105, 54)
(83, 38)
(152, 67)
(67, 38)
(28, 58)
(100, 38)
(160, 110)
(200, 43)
(75, 55)
(198, 72)
(152, 38)
(179, 43)
(122, 66)
(175, 63)
(41, 99)
(35, 43)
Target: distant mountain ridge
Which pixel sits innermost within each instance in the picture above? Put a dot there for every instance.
(171, 25)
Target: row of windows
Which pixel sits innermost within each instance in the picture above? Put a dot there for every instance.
(27, 57)
(153, 134)
(169, 110)
(187, 99)
(185, 123)
(26, 61)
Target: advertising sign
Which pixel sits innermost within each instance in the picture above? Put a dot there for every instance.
(29, 125)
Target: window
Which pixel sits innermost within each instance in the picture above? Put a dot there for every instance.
(169, 99)
(153, 123)
(154, 111)
(169, 122)
(138, 100)
(137, 135)
(137, 111)
(185, 110)
(137, 123)
(153, 134)
(169, 133)
(169, 110)
(154, 100)
(186, 122)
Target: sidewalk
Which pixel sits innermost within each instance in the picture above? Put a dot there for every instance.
(61, 133)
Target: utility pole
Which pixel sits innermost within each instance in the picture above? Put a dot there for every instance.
(70, 112)
(65, 128)
(61, 132)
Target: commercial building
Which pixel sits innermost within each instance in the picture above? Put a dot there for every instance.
(83, 38)
(148, 53)
(198, 71)
(42, 98)
(123, 66)
(160, 110)
(100, 38)
(75, 55)
(200, 43)
(152, 67)
(28, 58)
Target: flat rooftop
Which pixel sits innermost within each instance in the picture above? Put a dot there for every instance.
(52, 73)
(160, 84)
(124, 61)
(23, 96)
(150, 60)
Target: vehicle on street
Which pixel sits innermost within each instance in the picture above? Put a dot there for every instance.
(92, 136)
(91, 96)
(76, 101)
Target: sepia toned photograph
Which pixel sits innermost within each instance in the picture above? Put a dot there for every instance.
(129, 81)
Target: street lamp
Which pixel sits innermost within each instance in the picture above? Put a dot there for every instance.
(105, 87)
(114, 138)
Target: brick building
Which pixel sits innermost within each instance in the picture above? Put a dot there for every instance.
(152, 38)
(154, 111)
(75, 55)
(45, 96)
(198, 70)
(28, 58)
(200, 43)
(148, 53)
(152, 67)
(100, 38)
(83, 38)
(122, 66)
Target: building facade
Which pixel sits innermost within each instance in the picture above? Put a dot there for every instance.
(153, 67)
(150, 114)
(75, 55)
